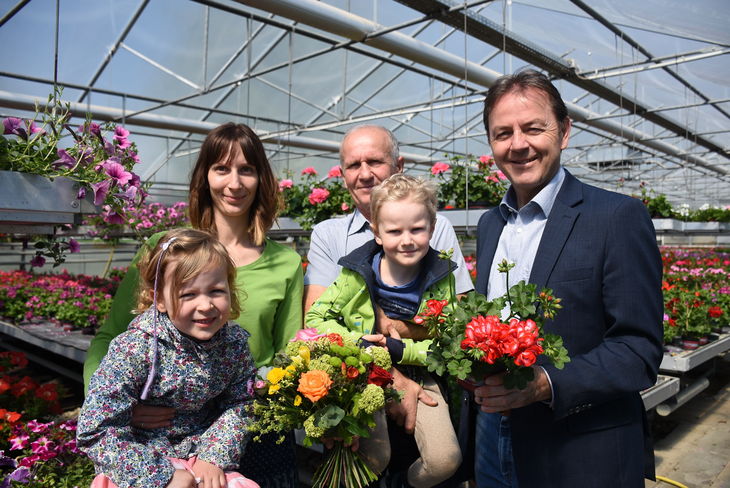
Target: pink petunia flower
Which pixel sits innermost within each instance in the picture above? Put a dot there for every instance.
(116, 171)
(18, 442)
(41, 445)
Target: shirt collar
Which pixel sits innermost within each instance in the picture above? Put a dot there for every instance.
(358, 223)
(544, 199)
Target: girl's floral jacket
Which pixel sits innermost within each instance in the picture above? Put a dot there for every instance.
(210, 385)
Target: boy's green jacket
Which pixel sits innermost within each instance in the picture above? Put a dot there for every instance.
(346, 306)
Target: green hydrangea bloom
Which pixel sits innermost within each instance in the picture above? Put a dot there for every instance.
(372, 399)
(323, 363)
(381, 356)
(292, 348)
(312, 430)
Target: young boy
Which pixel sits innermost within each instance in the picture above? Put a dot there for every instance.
(398, 272)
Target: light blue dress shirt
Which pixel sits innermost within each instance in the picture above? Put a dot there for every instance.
(521, 235)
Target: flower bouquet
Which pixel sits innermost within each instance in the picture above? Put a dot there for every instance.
(472, 341)
(331, 388)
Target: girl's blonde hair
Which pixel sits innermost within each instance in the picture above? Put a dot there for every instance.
(400, 187)
(192, 252)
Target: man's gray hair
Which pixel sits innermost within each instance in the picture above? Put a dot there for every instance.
(394, 151)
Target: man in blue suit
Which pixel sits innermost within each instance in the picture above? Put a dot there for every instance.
(584, 425)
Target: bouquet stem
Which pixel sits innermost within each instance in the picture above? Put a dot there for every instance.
(343, 467)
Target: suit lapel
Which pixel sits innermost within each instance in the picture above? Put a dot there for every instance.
(487, 246)
(557, 229)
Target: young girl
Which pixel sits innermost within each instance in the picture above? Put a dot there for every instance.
(399, 272)
(235, 196)
(182, 352)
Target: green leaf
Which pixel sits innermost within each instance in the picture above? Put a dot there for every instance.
(328, 417)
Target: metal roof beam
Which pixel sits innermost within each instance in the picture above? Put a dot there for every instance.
(626, 38)
(343, 23)
(120, 39)
(482, 28)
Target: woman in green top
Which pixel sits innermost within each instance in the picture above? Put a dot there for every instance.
(234, 194)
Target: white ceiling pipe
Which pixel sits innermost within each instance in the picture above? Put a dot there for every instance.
(340, 22)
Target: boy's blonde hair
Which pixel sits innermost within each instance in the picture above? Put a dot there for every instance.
(192, 252)
(400, 187)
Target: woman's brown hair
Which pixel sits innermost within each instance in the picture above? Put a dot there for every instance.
(217, 146)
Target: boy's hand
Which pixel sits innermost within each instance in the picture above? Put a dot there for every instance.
(210, 475)
(404, 412)
(375, 339)
(181, 478)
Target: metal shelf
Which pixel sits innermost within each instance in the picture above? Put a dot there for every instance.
(70, 344)
(665, 388)
(35, 204)
(686, 360)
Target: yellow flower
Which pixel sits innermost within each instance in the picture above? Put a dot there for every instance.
(304, 353)
(273, 389)
(297, 400)
(291, 369)
(275, 375)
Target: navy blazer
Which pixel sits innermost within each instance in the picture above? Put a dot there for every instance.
(598, 253)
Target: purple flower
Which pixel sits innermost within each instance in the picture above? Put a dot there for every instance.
(100, 191)
(112, 217)
(14, 125)
(109, 148)
(21, 475)
(73, 246)
(64, 159)
(38, 261)
(81, 194)
(7, 461)
(117, 171)
(120, 132)
(129, 193)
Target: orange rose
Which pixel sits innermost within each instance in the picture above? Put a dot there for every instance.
(314, 384)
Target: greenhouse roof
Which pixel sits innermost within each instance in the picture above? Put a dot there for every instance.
(645, 82)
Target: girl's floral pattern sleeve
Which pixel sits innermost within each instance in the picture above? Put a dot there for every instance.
(224, 441)
(104, 432)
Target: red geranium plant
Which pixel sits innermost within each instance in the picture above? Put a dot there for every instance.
(472, 340)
